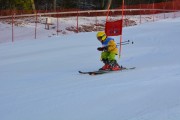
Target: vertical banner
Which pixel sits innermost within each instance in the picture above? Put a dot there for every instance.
(113, 28)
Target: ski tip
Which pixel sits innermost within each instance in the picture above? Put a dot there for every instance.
(81, 72)
(132, 68)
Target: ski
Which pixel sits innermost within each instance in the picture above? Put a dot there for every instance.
(94, 72)
(98, 72)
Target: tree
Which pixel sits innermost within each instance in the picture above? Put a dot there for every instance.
(54, 4)
(16, 4)
(61, 4)
(33, 5)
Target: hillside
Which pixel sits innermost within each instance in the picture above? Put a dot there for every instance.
(39, 79)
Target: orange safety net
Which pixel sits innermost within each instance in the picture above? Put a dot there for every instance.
(151, 8)
(170, 5)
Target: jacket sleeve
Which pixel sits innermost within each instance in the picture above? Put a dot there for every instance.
(111, 45)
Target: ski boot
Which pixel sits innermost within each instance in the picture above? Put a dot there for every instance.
(106, 65)
(114, 66)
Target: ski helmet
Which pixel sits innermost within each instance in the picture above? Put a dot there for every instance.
(101, 36)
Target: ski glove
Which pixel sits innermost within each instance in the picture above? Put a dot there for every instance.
(102, 48)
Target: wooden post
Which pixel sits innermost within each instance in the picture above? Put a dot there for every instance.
(77, 22)
(96, 22)
(35, 24)
(57, 23)
(153, 11)
(140, 14)
(174, 9)
(12, 26)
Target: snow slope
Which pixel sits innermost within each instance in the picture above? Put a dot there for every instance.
(39, 79)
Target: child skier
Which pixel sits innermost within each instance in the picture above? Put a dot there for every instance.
(109, 51)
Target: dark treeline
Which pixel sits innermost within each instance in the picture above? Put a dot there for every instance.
(68, 4)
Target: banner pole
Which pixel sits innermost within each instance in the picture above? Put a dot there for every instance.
(108, 10)
(120, 48)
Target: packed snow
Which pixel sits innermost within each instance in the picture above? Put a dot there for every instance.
(39, 78)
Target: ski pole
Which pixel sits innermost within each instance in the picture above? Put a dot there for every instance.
(124, 41)
(127, 41)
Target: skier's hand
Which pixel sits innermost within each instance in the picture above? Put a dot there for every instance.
(102, 48)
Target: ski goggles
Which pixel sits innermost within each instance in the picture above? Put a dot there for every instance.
(99, 38)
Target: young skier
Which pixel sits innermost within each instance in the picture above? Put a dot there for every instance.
(109, 51)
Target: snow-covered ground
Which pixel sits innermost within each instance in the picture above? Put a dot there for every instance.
(39, 79)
